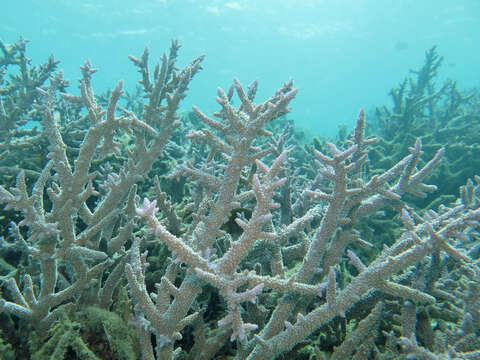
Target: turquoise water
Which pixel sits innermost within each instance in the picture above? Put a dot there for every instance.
(343, 54)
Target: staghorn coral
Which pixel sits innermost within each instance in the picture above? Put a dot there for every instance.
(289, 278)
(20, 144)
(351, 196)
(442, 117)
(75, 236)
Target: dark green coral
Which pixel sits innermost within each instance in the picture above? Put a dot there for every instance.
(92, 334)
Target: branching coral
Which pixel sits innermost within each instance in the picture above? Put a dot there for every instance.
(289, 271)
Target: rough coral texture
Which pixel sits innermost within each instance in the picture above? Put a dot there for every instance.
(232, 240)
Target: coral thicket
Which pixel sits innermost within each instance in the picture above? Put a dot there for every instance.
(133, 230)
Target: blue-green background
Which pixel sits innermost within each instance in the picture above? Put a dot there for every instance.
(343, 54)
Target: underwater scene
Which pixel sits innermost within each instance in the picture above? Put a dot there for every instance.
(245, 179)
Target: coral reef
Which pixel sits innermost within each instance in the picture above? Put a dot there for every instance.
(442, 117)
(231, 241)
(18, 92)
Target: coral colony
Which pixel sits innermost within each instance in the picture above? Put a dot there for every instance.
(131, 230)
